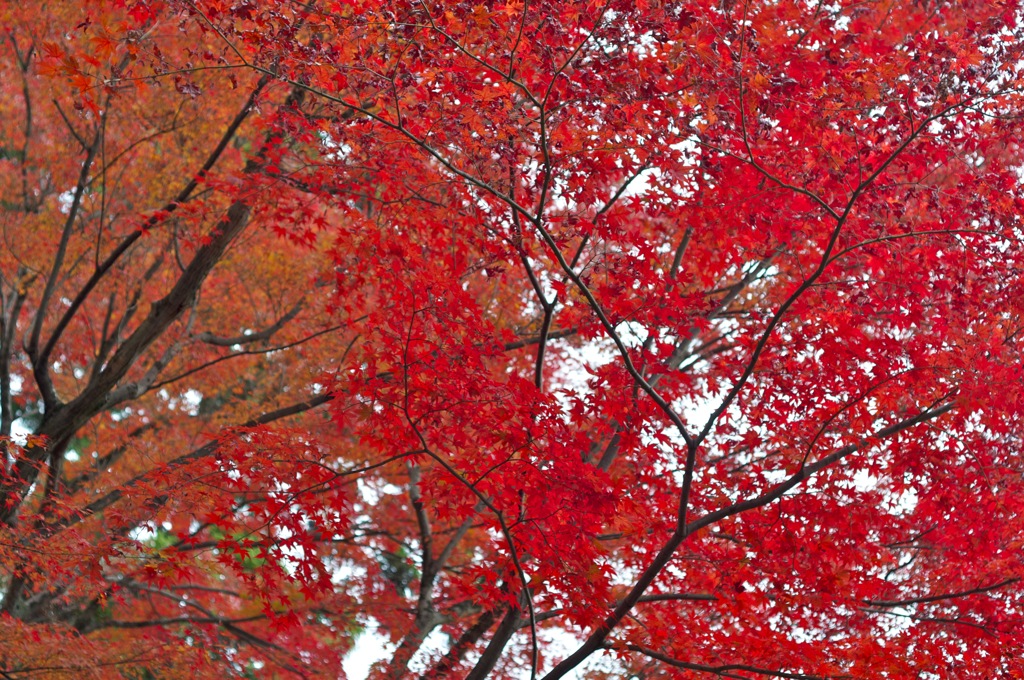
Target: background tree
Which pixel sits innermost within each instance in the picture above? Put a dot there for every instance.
(688, 330)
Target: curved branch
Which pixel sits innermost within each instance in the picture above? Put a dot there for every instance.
(724, 670)
(938, 598)
(259, 336)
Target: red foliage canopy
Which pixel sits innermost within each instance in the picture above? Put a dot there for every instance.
(617, 338)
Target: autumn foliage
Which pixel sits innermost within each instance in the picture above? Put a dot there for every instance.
(619, 339)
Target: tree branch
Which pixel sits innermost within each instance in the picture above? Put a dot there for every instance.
(938, 598)
(725, 670)
(204, 451)
(246, 338)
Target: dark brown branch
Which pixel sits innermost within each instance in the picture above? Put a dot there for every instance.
(100, 465)
(259, 336)
(724, 670)
(990, 630)
(71, 128)
(533, 340)
(458, 650)
(109, 342)
(157, 217)
(40, 360)
(8, 326)
(243, 353)
(209, 449)
(826, 258)
(427, 618)
(481, 497)
(506, 629)
(597, 638)
(457, 536)
(171, 621)
(679, 597)
(677, 259)
(26, 92)
(548, 312)
(60, 423)
(230, 625)
(806, 471)
(937, 598)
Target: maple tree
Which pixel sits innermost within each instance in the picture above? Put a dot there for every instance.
(688, 333)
